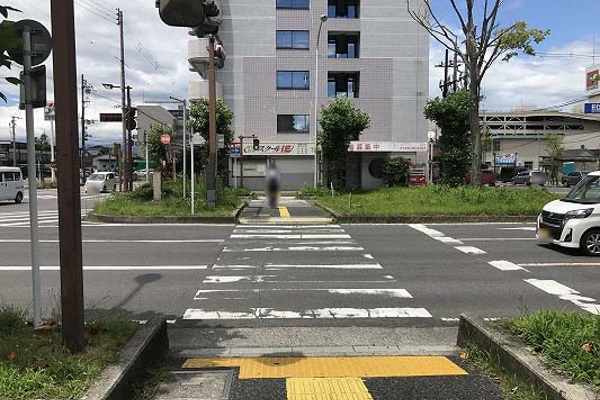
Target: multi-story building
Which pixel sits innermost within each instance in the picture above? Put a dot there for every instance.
(370, 51)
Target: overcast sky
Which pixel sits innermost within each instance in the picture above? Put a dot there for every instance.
(156, 58)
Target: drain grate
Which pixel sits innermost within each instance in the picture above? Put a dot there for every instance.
(197, 385)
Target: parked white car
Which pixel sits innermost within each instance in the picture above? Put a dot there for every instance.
(101, 182)
(12, 186)
(574, 221)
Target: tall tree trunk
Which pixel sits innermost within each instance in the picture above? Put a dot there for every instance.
(474, 82)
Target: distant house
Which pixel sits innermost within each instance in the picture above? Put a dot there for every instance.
(105, 162)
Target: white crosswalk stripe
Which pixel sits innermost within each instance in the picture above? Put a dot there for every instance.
(21, 219)
(330, 277)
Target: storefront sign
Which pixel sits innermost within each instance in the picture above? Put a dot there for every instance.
(592, 79)
(278, 149)
(506, 158)
(592, 108)
(49, 111)
(387, 147)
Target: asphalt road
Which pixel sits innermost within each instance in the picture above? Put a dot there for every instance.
(324, 275)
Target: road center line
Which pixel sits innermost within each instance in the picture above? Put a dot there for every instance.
(113, 268)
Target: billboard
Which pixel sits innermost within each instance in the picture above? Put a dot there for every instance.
(592, 80)
(49, 111)
(505, 159)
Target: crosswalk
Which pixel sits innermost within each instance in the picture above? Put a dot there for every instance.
(48, 218)
(254, 280)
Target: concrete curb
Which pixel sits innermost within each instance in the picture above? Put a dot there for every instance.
(145, 346)
(124, 219)
(517, 359)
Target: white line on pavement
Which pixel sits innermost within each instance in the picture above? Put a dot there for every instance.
(268, 279)
(292, 248)
(470, 249)
(499, 239)
(113, 268)
(285, 231)
(563, 264)
(320, 313)
(293, 266)
(522, 228)
(398, 293)
(506, 265)
(306, 236)
(152, 241)
(566, 293)
(448, 240)
(428, 231)
(301, 227)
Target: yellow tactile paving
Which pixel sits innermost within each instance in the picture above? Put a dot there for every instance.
(326, 389)
(283, 212)
(333, 367)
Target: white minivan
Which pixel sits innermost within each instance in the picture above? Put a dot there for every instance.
(11, 184)
(574, 221)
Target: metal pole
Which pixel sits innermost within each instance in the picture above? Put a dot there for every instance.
(83, 127)
(316, 180)
(129, 143)
(69, 200)
(33, 210)
(13, 124)
(241, 161)
(184, 146)
(52, 159)
(146, 151)
(193, 175)
(123, 181)
(211, 176)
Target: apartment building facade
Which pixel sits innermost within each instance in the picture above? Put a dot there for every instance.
(370, 51)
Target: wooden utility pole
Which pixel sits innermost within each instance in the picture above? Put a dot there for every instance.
(69, 202)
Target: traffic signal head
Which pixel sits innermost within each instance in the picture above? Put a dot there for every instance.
(188, 13)
(255, 144)
(130, 122)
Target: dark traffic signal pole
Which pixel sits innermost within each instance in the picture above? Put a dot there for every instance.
(69, 202)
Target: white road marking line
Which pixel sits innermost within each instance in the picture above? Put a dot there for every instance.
(285, 231)
(505, 265)
(368, 256)
(428, 231)
(470, 250)
(292, 248)
(452, 319)
(523, 228)
(300, 227)
(321, 313)
(566, 293)
(398, 293)
(96, 241)
(323, 266)
(112, 268)
(234, 267)
(269, 279)
(306, 236)
(565, 264)
(448, 240)
(497, 239)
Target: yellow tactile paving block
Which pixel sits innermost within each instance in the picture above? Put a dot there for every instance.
(326, 389)
(283, 212)
(333, 367)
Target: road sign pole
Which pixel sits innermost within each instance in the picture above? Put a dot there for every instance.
(31, 178)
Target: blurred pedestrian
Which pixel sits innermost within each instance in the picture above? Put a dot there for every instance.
(273, 185)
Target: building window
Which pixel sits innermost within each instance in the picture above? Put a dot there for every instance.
(528, 164)
(293, 123)
(299, 80)
(343, 8)
(343, 45)
(343, 84)
(497, 145)
(294, 4)
(292, 39)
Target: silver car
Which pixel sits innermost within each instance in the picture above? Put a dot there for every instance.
(101, 182)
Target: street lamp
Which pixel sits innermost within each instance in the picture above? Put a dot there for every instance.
(323, 18)
(125, 108)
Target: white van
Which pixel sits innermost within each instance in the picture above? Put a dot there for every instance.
(11, 184)
(574, 221)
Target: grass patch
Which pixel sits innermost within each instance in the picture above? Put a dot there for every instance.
(139, 202)
(568, 341)
(513, 388)
(439, 200)
(35, 365)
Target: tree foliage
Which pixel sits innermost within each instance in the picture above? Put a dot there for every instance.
(42, 147)
(451, 114)
(484, 41)
(340, 123)
(554, 147)
(8, 41)
(396, 171)
(158, 153)
(199, 121)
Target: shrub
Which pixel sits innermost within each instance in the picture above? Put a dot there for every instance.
(396, 171)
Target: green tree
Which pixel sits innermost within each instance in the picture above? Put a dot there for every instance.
(42, 147)
(451, 114)
(158, 153)
(8, 41)
(199, 116)
(396, 171)
(484, 42)
(554, 146)
(340, 122)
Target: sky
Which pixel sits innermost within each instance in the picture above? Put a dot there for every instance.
(156, 54)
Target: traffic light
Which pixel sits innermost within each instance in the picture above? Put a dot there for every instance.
(188, 13)
(130, 122)
(255, 144)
